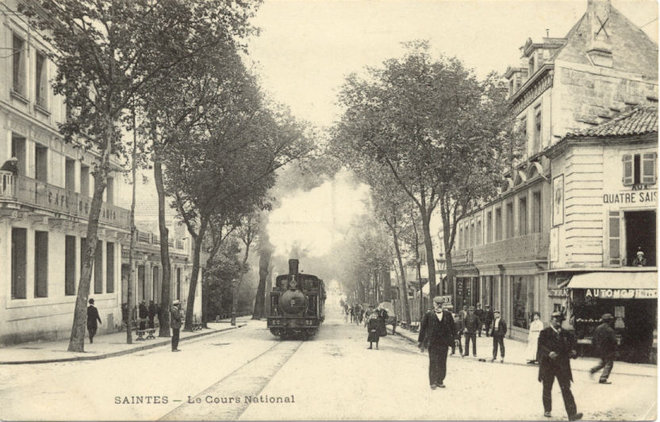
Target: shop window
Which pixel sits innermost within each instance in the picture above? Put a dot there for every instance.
(40, 264)
(110, 267)
(522, 299)
(18, 58)
(18, 262)
(98, 268)
(639, 169)
(70, 266)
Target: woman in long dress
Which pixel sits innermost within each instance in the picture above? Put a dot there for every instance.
(533, 340)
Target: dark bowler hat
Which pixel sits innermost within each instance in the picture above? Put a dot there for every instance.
(91, 301)
(607, 317)
(557, 315)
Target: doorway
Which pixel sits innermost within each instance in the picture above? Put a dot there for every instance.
(640, 233)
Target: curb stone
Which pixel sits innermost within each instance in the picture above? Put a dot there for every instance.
(120, 352)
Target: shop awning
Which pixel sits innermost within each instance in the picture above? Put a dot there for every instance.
(615, 280)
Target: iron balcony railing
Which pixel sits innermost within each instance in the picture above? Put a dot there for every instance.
(530, 247)
(41, 195)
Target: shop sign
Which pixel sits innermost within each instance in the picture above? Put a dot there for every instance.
(445, 299)
(557, 292)
(622, 293)
(642, 197)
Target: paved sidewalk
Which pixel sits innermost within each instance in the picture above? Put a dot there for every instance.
(515, 355)
(104, 346)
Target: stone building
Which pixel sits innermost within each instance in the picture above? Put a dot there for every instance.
(45, 203)
(562, 85)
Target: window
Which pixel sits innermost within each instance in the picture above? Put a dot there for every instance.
(460, 238)
(18, 151)
(472, 234)
(41, 163)
(18, 77)
(18, 262)
(110, 267)
(41, 81)
(70, 265)
(40, 264)
(538, 121)
(84, 180)
(70, 175)
(98, 268)
(479, 234)
(178, 283)
(614, 238)
(498, 224)
(537, 217)
(522, 216)
(639, 169)
(523, 130)
(110, 190)
(489, 227)
(531, 66)
(509, 220)
(523, 300)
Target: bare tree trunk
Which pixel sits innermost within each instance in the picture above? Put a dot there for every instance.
(131, 248)
(165, 305)
(195, 275)
(402, 280)
(77, 339)
(428, 243)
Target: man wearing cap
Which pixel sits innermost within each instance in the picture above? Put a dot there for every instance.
(604, 341)
(471, 324)
(498, 333)
(436, 333)
(556, 347)
(175, 323)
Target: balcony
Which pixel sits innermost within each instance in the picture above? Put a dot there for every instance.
(43, 196)
(531, 247)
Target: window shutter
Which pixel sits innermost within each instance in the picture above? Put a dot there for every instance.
(628, 174)
(614, 234)
(649, 173)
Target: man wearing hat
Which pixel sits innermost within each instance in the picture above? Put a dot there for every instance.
(498, 333)
(604, 341)
(436, 332)
(471, 324)
(556, 347)
(175, 323)
(93, 319)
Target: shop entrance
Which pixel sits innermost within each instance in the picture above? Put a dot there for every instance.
(640, 233)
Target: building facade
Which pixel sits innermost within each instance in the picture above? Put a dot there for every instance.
(506, 249)
(45, 205)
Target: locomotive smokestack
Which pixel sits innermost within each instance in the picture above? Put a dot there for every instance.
(293, 266)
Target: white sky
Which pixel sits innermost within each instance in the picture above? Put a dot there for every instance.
(307, 47)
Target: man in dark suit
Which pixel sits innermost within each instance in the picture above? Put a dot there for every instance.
(556, 347)
(93, 319)
(604, 341)
(498, 333)
(436, 333)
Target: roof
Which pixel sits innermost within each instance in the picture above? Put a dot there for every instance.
(638, 121)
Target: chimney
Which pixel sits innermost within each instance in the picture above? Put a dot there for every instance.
(599, 40)
(293, 266)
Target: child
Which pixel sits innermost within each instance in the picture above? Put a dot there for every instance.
(372, 327)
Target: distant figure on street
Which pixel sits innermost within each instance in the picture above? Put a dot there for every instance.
(556, 347)
(471, 324)
(458, 340)
(143, 313)
(604, 341)
(498, 333)
(152, 313)
(488, 319)
(640, 259)
(175, 323)
(436, 332)
(373, 327)
(92, 319)
(382, 319)
(479, 312)
(463, 313)
(11, 165)
(533, 338)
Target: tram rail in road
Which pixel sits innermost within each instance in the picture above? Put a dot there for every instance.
(229, 397)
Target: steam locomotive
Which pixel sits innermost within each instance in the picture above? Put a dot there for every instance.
(296, 304)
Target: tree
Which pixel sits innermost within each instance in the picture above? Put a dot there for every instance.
(107, 54)
(247, 233)
(430, 124)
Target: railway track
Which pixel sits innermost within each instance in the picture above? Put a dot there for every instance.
(229, 397)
